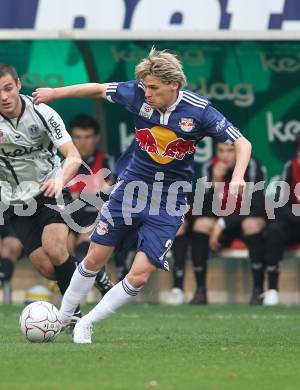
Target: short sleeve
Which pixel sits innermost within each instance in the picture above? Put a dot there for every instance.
(123, 93)
(217, 126)
(53, 124)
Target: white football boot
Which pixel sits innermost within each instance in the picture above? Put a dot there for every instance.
(176, 297)
(82, 334)
(271, 298)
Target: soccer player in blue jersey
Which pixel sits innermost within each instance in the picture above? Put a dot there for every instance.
(150, 199)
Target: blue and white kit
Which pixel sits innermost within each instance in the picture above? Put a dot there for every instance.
(164, 152)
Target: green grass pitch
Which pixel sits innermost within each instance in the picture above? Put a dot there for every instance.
(164, 348)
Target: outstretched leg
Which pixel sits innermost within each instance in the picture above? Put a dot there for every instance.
(83, 278)
(122, 293)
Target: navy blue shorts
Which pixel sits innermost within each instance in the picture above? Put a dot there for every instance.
(154, 233)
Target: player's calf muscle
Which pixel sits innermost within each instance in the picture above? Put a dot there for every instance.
(57, 254)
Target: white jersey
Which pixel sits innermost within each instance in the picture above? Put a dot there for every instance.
(28, 150)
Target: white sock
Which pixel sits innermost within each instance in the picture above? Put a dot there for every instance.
(116, 297)
(81, 283)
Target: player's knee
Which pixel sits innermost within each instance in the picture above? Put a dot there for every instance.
(92, 263)
(253, 225)
(11, 254)
(138, 280)
(204, 225)
(97, 256)
(16, 253)
(12, 249)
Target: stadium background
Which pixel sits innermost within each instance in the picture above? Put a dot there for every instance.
(254, 82)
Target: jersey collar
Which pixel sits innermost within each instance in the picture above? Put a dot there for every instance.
(22, 110)
(174, 105)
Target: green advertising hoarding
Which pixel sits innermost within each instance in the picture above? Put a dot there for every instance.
(255, 84)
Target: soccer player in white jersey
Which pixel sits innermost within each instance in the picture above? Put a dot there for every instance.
(31, 177)
(169, 121)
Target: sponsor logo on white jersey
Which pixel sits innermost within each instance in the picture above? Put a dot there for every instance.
(56, 127)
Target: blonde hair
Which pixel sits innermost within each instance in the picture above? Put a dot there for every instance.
(163, 65)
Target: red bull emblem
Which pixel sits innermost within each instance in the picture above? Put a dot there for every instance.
(187, 124)
(178, 148)
(162, 144)
(102, 228)
(147, 141)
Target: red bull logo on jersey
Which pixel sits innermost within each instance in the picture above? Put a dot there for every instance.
(179, 148)
(147, 141)
(187, 124)
(163, 145)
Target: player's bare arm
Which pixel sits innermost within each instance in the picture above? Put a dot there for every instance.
(243, 154)
(53, 187)
(89, 90)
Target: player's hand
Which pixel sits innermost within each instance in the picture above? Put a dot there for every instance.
(237, 186)
(43, 95)
(52, 187)
(214, 239)
(219, 171)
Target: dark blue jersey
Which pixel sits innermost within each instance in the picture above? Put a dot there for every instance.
(124, 160)
(166, 141)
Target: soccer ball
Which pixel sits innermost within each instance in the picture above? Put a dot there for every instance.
(40, 322)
